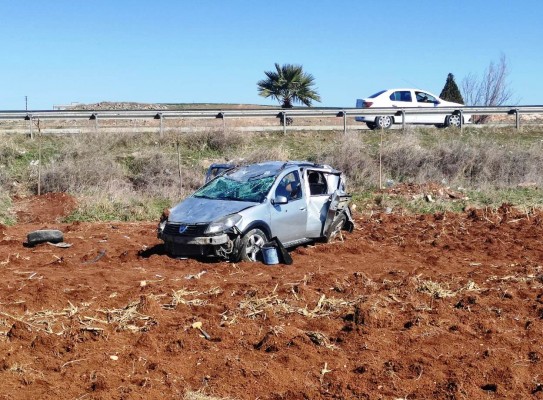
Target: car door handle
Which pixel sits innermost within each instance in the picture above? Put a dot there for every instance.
(302, 208)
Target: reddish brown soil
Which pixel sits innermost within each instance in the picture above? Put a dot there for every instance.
(436, 306)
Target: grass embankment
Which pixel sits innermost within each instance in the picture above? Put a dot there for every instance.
(134, 176)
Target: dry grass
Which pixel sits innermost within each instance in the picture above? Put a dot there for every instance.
(220, 141)
(131, 176)
(473, 162)
(190, 297)
(130, 318)
(254, 306)
(200, 395)
(434, 289)
(355, 158)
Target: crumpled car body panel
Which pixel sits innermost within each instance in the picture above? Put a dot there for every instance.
(288, 200)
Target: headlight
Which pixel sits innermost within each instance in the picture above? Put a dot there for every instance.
(162, 225)
(223, 223)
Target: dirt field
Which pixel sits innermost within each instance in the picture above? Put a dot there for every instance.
(406, 307)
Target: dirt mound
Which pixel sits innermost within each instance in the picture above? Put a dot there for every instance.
(50, 207)
(433, 306)
(110, 105)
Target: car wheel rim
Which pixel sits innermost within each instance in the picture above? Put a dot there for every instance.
(254, 244)
(384, 122)
(454, 120)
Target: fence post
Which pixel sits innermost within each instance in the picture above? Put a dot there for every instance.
(284, 123)
(517, 118)
(177, 147)
(161, 125)
(403, 120)
(461, 121)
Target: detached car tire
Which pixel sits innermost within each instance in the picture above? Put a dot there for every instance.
(251, 244)
(44, 235)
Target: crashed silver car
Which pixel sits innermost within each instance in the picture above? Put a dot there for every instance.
(234, 214)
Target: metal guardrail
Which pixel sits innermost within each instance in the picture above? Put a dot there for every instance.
(265, 113)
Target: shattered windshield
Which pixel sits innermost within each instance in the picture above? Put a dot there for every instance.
(239, 188)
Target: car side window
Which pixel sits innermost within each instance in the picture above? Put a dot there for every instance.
(401, 95)
(317, 183)
(290, 186)
(425, 97)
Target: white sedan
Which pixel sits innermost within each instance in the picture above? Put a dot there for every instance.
(408, 98)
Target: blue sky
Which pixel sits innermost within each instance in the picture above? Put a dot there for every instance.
(204, 51)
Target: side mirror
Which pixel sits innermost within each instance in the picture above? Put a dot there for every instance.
(280, 200)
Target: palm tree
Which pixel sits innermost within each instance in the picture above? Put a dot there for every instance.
(289, 84)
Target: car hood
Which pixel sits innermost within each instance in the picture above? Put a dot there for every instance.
(199, 210)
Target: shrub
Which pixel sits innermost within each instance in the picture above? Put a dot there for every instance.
(259, 154)
(476, 162)
(219, 141)
(350, 155)
(83, 174)
(157, 174)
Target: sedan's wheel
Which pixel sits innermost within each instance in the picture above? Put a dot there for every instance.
(370, 125)
(383, 122)
(452, 120)
(251, 245)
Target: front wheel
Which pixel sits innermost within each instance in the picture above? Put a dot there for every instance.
(251, 245)
(383, 122)
(452, 120)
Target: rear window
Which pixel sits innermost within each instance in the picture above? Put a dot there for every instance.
(373, 96)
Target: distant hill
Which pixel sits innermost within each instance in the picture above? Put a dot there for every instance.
(110, 105)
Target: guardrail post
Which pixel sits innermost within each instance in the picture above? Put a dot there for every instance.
(161, 118)
(517, 119)
(284, 122)
(461, 121)
(403, 120)
(94, 117)
(343, 114)
(29, 119)
(221, 116)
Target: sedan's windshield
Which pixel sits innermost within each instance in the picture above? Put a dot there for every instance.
(226, 188)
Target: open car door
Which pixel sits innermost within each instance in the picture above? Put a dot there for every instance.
(323, 186)
(339, 207)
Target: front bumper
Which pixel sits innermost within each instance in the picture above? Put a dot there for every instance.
(196, 240)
